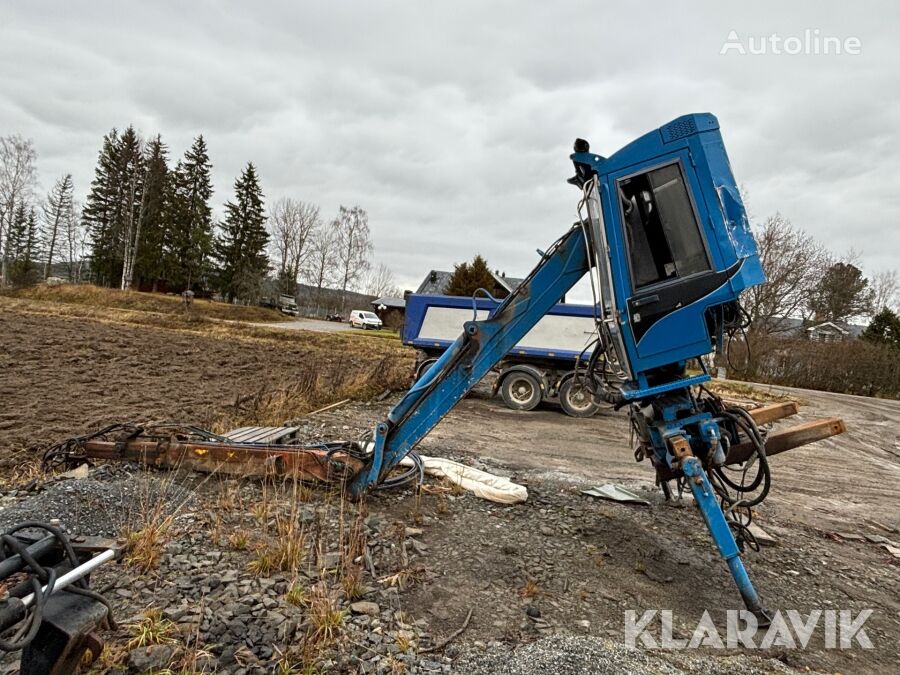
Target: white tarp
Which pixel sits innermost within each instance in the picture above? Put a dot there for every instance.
(480, 483)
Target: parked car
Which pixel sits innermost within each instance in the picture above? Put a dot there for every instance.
(362, 319)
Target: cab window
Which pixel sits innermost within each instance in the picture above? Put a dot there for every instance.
(663, 235)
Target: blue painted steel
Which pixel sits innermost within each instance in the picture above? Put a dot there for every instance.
(720, 531)
(417, 306)
(475, 352)
(631, 393)
(695, 144)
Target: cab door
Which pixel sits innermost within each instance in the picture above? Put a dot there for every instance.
(670, 264)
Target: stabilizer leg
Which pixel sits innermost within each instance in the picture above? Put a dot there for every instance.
(718, 527)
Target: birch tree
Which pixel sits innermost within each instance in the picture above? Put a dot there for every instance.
(354, 247)
(77, 239)
(885, 291)
(17, 179)
(380, 282)
(291, 228)
(320, 266)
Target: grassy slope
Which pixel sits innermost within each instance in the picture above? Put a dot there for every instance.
(94, 296)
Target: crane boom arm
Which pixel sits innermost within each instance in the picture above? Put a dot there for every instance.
(480, 347)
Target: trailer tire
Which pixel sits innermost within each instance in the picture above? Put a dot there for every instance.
(520, 391)
(576, 399)
(423, 367)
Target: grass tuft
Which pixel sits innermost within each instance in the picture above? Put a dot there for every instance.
(153, 629)
(325, 615)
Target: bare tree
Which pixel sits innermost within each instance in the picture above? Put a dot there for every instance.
(794, 263)
(319, 268)
(77, 235)
(57, 209)
(380, 282)
(17, 179)
(291, 228)
(885, 291)
(354, 247)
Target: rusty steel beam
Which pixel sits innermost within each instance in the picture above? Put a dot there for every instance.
(775, 411)
(232, 459)
(787, 439)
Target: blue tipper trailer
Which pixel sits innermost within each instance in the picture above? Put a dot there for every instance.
(541, 367)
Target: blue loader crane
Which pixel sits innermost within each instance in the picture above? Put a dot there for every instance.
(665, 238)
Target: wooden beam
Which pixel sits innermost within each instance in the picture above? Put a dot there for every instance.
(787, 439)
(773, 412)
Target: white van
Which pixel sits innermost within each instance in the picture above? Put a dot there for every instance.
(362, 319)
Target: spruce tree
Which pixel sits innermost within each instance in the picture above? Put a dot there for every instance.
(241, 247)
(150, 257)
(113, 205)
(469, 277)
(100, 213)
(190, 240)
(884, 329)
(24, 268)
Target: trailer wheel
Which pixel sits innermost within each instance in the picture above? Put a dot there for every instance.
(423, 367)
(576, 399)
(520, 391)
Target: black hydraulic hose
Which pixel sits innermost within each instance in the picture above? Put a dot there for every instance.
(42, 581)
(745, 421)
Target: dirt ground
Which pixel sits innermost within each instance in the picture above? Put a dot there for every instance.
(579, 561)
(65, 374)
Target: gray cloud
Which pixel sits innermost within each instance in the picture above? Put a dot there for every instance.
(452, 123)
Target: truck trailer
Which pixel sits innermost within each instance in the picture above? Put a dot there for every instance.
(541, 367)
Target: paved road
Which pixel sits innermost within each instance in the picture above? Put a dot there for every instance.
(309, 324)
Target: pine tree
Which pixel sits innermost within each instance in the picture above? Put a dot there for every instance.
(241, 248)
(150, 254)
(469, 277)
(57, 209)
(841, 294)
(190, 241)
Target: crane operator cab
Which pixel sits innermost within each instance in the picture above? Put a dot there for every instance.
(671, 246)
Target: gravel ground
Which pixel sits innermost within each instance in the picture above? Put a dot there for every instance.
(100, 505)
(575, 655)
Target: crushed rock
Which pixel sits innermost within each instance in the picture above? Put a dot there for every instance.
(99, 505)
(578, 655)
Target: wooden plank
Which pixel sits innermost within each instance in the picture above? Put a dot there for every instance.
(787, 439)
(775, 411)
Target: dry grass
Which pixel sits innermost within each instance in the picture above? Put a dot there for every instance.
(144, 541)
(325, 615)
(153, 629)
(530, 589)
(95, 296)
(297, 595)
(239, 540)
(282, 554)
(313, 386)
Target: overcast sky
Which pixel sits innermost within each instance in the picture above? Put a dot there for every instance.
(451, 122)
